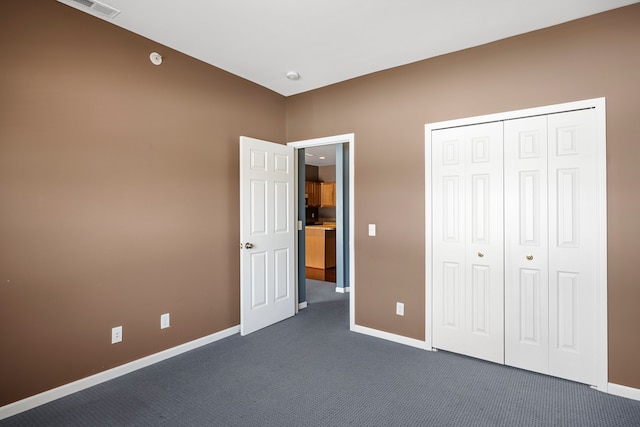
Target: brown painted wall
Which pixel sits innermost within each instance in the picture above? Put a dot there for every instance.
(118, 180)
(593, 57)
(118, 194)
(327, 173)
(311, 173)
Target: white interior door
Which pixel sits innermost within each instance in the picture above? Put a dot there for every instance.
(468, 271)
(267, 234)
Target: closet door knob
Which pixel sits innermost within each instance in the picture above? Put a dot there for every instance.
(529, 257)
(480, 254)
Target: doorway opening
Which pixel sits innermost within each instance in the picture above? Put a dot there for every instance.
(321, 202)
(331, 223)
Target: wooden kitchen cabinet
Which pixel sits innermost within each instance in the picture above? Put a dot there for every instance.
(320, 194)
(313, 193)
(320, 247)
(328, 197)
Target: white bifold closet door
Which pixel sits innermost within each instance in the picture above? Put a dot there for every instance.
(514, 242)
(468, 271)
(550, 246)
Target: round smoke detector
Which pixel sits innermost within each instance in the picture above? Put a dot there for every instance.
(156, 58)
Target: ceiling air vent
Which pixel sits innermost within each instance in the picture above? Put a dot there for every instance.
(95, 6)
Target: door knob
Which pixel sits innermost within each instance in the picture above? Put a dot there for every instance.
(529, 257)
(248, 245)
(480, 254)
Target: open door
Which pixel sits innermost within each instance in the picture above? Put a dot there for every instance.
(267, 234)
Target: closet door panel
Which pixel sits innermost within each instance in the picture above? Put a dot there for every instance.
(572, 250)
(485, 241)
(467, 241)
(526, 244)
(448, 240)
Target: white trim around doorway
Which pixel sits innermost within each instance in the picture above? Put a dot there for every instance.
(330, 140)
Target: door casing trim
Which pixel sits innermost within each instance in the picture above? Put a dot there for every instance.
(348, 138)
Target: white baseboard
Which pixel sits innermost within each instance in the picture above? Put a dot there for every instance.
(343, 290)
(84, 383)
(390, 337)
(624, 391)
(302, 305)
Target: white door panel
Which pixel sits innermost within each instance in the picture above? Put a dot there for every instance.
(449, 231)
(550, 245)
(267, 265)
(467, 230)
(573, 246)
(484, 241)
(526, 244)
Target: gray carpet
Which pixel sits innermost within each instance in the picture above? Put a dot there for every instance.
(311, 371)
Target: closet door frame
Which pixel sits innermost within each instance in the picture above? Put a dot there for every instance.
(598, 104)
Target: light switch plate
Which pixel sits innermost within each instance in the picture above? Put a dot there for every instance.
(372, 229)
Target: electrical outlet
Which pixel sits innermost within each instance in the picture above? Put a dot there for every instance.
(164, 321)
(116, 334)
(400, 309)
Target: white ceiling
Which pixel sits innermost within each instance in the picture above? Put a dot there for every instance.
(322, 155)
(329, 41)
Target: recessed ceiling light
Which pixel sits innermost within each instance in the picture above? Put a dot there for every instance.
(292, 75)
(322, 157)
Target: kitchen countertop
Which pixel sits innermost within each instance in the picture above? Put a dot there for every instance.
(322, 226)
